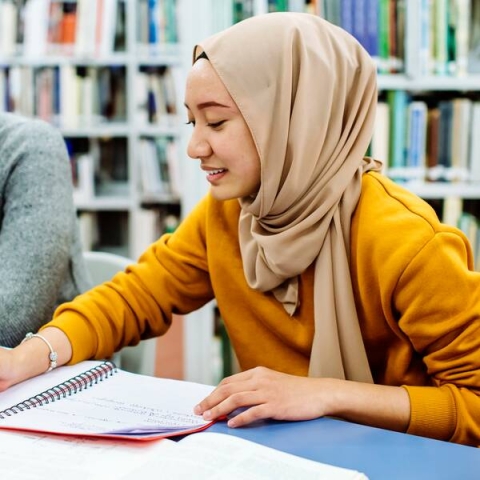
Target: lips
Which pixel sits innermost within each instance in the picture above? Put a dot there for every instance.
(214, 175)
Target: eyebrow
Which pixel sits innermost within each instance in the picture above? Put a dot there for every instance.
(204, 105)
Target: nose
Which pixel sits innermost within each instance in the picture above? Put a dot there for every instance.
(198, 146)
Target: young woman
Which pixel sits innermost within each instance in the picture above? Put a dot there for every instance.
(41, 262)
(342, 292)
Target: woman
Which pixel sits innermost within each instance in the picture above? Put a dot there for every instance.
(342, 292)
(40, 256)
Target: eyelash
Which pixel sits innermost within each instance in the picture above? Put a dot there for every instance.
(216, 124)
(211, 125)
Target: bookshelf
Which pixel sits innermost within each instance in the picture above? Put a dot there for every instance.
(106, 73)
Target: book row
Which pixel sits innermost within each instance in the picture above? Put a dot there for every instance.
(100, 168)
(84, 28)
(428, 137)
(157, 23)
(82, 96)
(109, 230)
(67, 96)
(444, 34)
(44, 27)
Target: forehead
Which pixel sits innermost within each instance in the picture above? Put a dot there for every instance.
(203, 82)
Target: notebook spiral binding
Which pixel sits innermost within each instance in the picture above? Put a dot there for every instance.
(64, 389)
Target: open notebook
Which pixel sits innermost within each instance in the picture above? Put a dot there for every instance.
(98, 399)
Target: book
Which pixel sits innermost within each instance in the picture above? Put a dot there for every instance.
(474, 143)
(95, 398)
(205, 455)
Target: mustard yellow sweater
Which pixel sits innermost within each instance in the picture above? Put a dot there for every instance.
(418, 302)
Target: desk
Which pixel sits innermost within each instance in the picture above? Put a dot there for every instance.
(380, 454)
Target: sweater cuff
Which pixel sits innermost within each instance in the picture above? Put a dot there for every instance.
(433, 412)
(81, 338)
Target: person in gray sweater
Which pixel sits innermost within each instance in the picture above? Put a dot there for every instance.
(41, 264)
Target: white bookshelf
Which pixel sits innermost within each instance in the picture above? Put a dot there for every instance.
(127, 198)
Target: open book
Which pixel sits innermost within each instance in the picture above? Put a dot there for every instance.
(97, 399)
(203, 456)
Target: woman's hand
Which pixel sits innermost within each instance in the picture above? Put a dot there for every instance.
(31, 358)
(268, 394)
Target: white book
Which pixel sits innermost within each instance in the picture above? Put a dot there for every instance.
(88, 227)
(147, 231)
(3, 91)
(107, 16)
(452, 210)
(381, 134)
(440, 27)
(26, 92)
(173, 160)
(36, 18)
(69, 96)
(141, 82)
(149, 168)
(15, 87)
(260, 7)
(474, 154)
(8, 28)
(85, 188)
(461, 122)
(86, 26)
(86, 100)
(462, 35)
(296, 6)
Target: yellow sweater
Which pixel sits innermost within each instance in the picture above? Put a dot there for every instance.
(417, 298)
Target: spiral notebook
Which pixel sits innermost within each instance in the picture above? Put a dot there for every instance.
(98, 399)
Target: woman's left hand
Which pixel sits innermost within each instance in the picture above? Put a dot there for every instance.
(267, 394)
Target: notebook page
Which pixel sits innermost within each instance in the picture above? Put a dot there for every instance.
(29, 388)
(124, 403)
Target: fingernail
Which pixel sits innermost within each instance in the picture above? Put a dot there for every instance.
(231, 423)
(207, 414)
(196, 410)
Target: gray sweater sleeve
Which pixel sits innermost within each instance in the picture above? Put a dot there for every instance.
(37, 226)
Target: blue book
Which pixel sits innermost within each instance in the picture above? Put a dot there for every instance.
(359, 21)
(346, 15)
(153, 16)
(371, 28)
(417, 123)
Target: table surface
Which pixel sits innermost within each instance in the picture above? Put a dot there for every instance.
(379, 454)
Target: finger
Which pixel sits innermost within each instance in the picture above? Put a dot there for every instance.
(252, 414)
(231, 403)
(222, 392)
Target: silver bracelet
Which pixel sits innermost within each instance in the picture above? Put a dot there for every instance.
(52, 356)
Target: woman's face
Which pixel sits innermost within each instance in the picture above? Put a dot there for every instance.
(220, 139)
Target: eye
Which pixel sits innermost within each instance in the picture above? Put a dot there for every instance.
(216, 124)
(190, 122)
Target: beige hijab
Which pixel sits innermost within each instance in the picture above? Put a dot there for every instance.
(307, 91)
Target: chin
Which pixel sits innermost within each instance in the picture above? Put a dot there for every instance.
(219, 195)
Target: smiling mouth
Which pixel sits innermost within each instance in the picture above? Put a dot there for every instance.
(213, 175)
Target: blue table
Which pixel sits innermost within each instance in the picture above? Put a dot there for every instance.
(379, 454)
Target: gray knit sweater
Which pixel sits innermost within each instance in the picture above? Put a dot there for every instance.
(41, 262)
